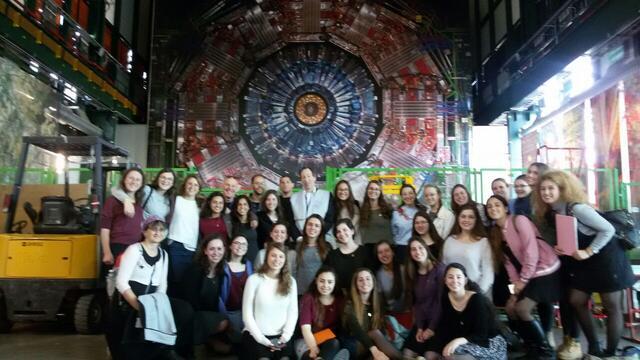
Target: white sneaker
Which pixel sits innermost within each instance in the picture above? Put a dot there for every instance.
(570, 349)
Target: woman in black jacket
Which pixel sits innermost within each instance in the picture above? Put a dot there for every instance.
(201, 287)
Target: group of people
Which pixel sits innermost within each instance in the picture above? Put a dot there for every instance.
(314, 274)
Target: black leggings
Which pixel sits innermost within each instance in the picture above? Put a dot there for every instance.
(328, 350)
(545, 312)
(568, 317)
(252, 350)
(119, 317)
(612, 303)
(521, 309)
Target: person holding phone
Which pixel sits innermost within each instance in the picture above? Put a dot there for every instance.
(270, 309)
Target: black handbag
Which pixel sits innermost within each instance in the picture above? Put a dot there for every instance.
(626, 231)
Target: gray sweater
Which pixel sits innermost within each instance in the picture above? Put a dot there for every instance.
(305, 272)
(589, 223)
(154, 202)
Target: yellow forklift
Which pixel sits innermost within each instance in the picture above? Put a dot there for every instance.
(54, 273)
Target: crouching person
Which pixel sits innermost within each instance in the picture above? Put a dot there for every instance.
(467, 329)
(151, 325)
(201, 287)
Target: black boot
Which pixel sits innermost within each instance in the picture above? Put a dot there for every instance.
(515, 344)
(538, 345)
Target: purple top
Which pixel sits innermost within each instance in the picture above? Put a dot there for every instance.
(427, 298)
(124, 230)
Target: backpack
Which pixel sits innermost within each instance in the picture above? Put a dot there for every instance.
(627, 233)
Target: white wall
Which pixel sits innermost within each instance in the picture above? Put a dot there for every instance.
(489, 149)
(135, 139)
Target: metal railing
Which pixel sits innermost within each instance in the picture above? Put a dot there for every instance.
(612, 193)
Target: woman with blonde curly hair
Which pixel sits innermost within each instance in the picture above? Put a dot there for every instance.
(599, 265)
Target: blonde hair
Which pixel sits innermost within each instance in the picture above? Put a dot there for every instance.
(570, 187)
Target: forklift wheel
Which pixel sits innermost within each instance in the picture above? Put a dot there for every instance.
(5, 326)
(89, 314)
(5, 323)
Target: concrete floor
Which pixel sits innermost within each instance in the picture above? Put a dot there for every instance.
(52, 341)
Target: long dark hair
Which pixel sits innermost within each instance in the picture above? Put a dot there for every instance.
(171, 192)
(278, 223)
(411, 268)
(346, 222)
(155, 184)
(351, 204)
(318, 317)
(416, 202)
(140, 192)
(478, 229)
(205, 211)
(496, 237)
(454, 206)
(470, 286)
(284, 277)
(235, 219)
(263, 206)
(244, 257)
(398, 281)
(433, 233)
(321, 243)
(365, 210)
(202, 259)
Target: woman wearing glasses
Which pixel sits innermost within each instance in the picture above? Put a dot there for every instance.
(236, 272)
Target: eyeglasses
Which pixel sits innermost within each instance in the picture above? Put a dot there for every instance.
(521, 186)
(239, 244)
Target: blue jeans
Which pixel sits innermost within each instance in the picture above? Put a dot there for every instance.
(235, 318)
(179, 260)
